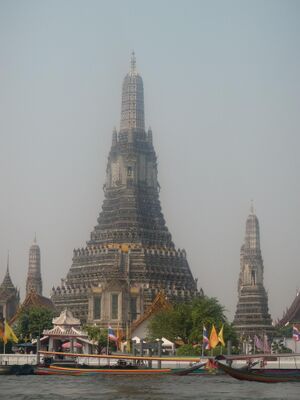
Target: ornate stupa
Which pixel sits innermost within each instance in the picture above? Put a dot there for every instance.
(252, 316)
(34, 287)
(130, 256)
(34, 278)
(9, 296)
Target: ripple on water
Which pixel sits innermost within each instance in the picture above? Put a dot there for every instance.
(141, 388)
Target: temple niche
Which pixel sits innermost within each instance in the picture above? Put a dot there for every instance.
(130, 256)
(252, 315)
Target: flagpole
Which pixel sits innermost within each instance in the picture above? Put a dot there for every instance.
(4, 335)
(107, 343)
(202, 354)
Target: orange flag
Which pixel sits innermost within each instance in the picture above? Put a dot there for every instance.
(213, 339)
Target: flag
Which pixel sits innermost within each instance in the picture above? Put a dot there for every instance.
(266, 345)
(258, 343)
(205, 339)
(111, 334)
(296, 334)
(9, 334)
(119, 337)
(220, 336)
(213, 338)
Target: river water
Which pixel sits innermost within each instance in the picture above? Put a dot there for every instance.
(141, 388)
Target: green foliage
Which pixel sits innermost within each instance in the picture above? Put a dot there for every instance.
(32, 321)
(185, 321)
(283, 331)
(97, 334)
(279, 347)
(189, 350)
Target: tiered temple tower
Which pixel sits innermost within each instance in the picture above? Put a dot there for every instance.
(34, 279)
(9, 297)
(252, 316)
(130, 256)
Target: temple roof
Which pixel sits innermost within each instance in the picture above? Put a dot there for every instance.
(33, 299)
(66, 318)
(7, 282)
(292, 314)
(66, 332)
(159, 303)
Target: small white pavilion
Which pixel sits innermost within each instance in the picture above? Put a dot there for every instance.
(66, 329)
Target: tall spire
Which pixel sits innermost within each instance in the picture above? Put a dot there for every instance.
(131, 244)
(132, 110)
(34, 279)
(252, 236)
(133, 64)
(252, 207)
(9, 295)
(7, 282)
(252, 316)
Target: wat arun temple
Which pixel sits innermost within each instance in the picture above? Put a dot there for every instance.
(130, 257)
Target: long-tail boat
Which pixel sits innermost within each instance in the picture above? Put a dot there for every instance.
(125, 365)
(262, 372)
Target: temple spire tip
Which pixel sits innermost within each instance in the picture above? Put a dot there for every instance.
(133, 63)
(252, 207)
(7, 266)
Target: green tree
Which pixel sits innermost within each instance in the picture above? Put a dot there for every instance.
(97, 334)
(185, 321)
(278, 346)
(283, 331)
(32, 321)
(172, 323)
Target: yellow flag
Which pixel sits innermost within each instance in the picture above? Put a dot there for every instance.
(9, 334)
(213, 338)
(220, 336)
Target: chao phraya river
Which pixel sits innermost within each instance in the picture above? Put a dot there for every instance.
(141, 388)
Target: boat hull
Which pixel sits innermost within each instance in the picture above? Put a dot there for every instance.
(262, 375)
(5, 369)
(55, 370)
(115, 370)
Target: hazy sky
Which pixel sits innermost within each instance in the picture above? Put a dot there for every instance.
(221, 81)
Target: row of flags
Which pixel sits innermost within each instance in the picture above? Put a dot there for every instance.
(296, 334)
(214, 338)
(6, 333)
(115, 337)
(262, 344)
